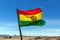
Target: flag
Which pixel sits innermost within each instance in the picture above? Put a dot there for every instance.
(30, 17)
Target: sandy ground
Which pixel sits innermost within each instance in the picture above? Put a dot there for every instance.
(28, 38)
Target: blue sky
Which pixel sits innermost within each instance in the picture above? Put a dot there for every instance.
(9, 21)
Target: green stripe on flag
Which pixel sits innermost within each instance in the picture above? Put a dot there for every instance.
(29, 23)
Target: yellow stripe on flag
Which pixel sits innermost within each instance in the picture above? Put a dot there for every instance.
(23, 17)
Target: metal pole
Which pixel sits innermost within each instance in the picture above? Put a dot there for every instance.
(19, 26)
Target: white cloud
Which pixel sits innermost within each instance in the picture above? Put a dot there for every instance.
(53, 22)
(50, 29)
(45, 32)
(10, 33)
(8, 24)
(9, 28)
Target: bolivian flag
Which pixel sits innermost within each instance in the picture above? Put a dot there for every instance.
(30, 17)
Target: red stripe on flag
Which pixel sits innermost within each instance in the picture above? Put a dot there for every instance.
(30, 12)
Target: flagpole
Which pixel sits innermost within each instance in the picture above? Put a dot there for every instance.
(19, 26)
